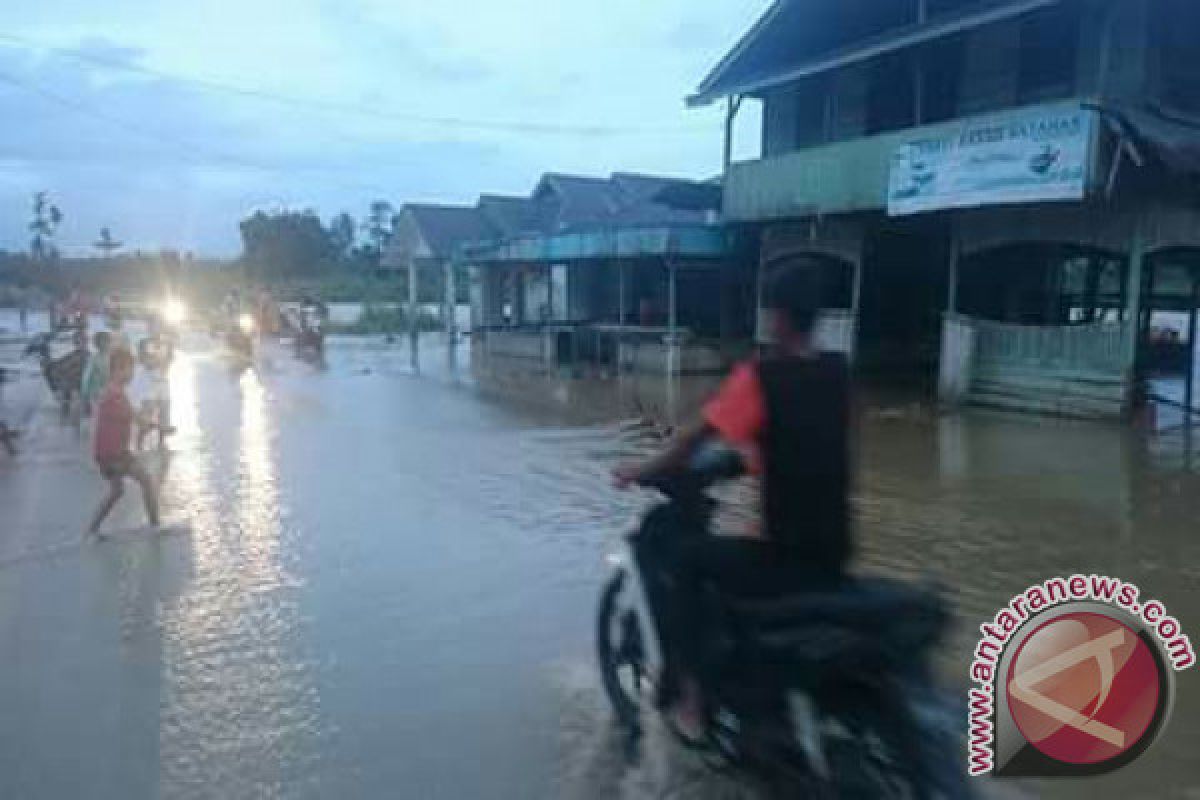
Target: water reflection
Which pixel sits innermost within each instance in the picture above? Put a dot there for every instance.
(258, 497)
(239, 708)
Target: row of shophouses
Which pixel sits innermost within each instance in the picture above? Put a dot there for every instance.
(1002, 195)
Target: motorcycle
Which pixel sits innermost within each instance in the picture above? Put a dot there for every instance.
(826, 692)
(240, 339)
(309, 338)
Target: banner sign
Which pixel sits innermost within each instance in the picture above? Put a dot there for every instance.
(1025, 157)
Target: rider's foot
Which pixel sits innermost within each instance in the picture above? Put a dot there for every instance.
(687, 716)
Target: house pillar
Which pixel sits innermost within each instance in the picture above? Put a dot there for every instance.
(1190, 387)
(622, 300)
(1133, 297)
(856, 302)
(952, 282)
(956, 365)
(450, 323)
(412, 312)
(673, 339)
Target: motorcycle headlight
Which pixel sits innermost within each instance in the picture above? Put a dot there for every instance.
(246, 323)
(174, 311)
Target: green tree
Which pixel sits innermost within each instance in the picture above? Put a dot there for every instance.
(284, 244)
(343, 232)
(379, 225)
(44, 226)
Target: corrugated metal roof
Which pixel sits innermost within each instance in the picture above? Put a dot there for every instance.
(445, 227)
(510, 216)
(625, 205)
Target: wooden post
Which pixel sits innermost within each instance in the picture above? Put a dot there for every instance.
(952, 283)
(672, 321)
(412, 312)
(856, 302)
(1149, 282)
(672, 310)
(1133, 295)
(731, 109)
(1190, 388)
(451, 321)
(622, 301)
(759, 286)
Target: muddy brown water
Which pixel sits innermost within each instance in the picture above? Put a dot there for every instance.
(389, 585)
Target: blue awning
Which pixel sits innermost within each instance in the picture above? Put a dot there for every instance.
(693, 242)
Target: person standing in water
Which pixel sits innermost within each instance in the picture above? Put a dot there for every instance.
(111, 449)
(95, 375)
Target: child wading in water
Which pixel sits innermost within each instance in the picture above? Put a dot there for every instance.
(95, 377)
(114, 427)
(155, 409)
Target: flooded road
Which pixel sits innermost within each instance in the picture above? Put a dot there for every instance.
(389, 583)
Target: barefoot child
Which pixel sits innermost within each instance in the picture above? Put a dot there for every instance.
(114, 426)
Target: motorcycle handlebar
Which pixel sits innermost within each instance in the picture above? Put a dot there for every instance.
(711, 464)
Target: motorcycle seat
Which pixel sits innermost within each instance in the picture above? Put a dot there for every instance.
(872, 619)
(856, 601)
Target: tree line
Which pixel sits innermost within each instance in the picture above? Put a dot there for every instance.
(283, 244)
(279, 247)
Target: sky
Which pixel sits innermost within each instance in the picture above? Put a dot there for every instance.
(169, 122)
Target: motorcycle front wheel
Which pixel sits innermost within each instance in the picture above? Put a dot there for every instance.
(620, 651)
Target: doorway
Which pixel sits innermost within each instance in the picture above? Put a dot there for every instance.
(904, 286)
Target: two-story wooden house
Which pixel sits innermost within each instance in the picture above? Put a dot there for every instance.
(1003, 190)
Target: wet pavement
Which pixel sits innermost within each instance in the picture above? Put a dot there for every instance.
(390, 578)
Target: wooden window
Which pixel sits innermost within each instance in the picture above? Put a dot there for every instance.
(1049, 54)
(1177, 22)
(891, 94)
(941, 79)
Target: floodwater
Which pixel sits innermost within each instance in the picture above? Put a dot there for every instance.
(389, 583)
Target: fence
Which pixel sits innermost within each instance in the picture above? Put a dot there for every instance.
(1097, 348)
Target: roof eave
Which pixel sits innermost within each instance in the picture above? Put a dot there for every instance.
(900, 39)
(704, 92)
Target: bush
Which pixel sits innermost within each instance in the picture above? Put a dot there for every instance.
(379, 319)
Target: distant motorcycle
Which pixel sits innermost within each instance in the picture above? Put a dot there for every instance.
(311, 337)
(824, 693)
(240, 339)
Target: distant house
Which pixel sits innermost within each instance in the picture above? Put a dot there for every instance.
(1004, 192)
(428, 236)
(608, 270)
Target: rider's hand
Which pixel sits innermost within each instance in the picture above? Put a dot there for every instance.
(626, 475)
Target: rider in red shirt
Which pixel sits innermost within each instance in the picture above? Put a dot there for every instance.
(788, 414)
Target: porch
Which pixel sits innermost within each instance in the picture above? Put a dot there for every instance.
(1089, 315)
(654, 300)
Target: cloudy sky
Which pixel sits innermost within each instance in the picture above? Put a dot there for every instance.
(129, 111)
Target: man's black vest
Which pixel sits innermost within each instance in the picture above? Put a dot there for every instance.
(806, 453)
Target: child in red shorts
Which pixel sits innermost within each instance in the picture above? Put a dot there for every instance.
(114, 426)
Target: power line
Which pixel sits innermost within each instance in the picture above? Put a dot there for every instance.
(331, 106)
(204, 156)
